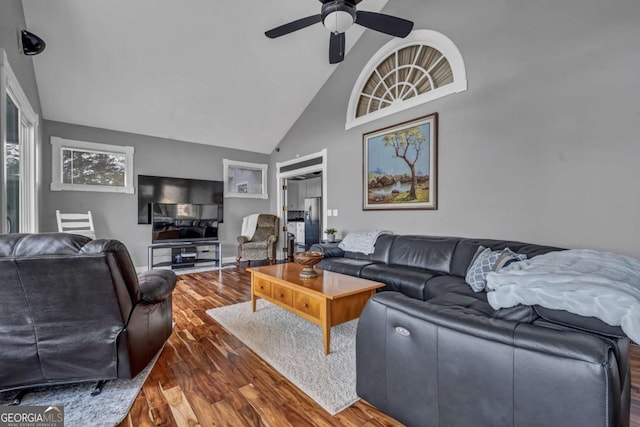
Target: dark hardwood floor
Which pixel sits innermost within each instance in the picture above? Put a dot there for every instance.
(207, 377)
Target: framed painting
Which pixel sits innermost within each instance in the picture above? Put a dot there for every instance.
(243, 179)
(400, 166)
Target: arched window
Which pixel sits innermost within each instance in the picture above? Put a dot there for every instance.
(404, 73)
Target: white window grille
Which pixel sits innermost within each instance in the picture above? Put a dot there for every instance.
(404, 73)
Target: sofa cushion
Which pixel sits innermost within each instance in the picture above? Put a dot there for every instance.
(255, 245)
(381, 251)
(426, 252)
(441, 285)
(464, 303)
(575, 321)
(349, 266)
(409, 281)
(454, 285)
(466, 249)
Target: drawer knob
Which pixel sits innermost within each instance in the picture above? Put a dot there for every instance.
(306, 305)
(281, 296)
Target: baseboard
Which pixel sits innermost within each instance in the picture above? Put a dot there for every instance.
(229, 260)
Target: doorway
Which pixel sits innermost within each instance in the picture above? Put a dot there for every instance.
(302, 201)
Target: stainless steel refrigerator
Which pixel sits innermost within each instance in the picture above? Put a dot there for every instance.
(312, 221)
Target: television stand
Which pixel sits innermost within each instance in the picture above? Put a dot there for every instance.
(177, 255)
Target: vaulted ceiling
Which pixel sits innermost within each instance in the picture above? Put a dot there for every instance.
(197, 71)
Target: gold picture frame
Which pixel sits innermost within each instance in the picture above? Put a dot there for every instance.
(400, 166)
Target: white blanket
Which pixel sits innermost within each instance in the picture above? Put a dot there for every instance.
(361, 241)
(585, 282)
(249, 225)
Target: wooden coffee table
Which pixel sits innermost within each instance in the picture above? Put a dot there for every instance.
(327, 300)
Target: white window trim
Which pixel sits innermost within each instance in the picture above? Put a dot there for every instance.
(10, 86)
(428, 37)
(57, 144)
(257, 166)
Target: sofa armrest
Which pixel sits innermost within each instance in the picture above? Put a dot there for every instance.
(243, 239)
(412, 356)
(119, 261)
(561, 343)
(156, 285)
(329, 250)
(272, 240)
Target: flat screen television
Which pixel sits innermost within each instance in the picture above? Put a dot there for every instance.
(182, 222)
(161, 189)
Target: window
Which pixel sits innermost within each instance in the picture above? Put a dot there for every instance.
(242, 179)
(404, 73)
(89, 166)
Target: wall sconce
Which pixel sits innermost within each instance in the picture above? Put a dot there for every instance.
(30, 44)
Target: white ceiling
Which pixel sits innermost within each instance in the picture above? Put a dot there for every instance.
(198, 70)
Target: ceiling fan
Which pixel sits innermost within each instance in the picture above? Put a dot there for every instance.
(338, 16)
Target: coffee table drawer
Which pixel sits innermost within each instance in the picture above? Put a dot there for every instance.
(307, 304)
(262, 287)
(282, 294)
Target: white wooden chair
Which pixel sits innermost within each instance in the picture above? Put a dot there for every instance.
(76, 223)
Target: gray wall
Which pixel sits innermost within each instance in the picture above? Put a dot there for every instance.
(116, 215)
(544, 145)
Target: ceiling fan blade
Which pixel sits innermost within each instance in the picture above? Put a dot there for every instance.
(387, 24)
(293, 26)
(336, 48)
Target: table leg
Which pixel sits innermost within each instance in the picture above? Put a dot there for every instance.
(326, 327)
(253, 294)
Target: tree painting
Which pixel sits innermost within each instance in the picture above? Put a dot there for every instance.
(400, 166)
(407, 144)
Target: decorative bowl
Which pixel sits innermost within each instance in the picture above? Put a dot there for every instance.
(308, 260)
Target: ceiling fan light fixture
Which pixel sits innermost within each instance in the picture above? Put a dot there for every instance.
(338, 16)
(338, 21)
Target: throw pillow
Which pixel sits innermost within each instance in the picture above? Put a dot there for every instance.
(475, 256)
(508, 257)
(483, 264)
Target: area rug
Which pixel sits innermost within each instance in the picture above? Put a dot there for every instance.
(293, 346)
(81, 409)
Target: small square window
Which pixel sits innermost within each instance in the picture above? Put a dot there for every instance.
(89, 166)
(242, 179)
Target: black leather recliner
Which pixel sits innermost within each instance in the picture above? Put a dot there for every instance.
(73, 309)
(432, 352)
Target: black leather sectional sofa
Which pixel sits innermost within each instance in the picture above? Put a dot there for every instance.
(432, 352)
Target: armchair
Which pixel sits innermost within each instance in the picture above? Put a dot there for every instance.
(263, 243)
(73, 309)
